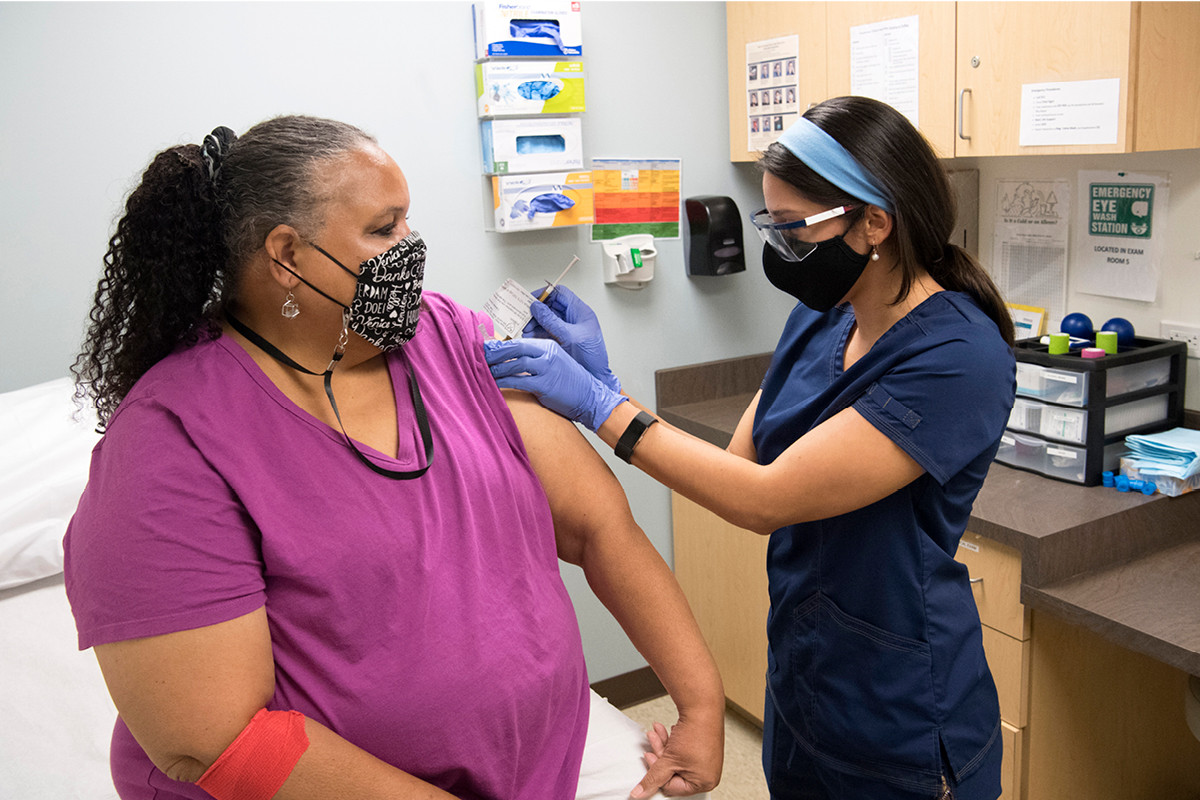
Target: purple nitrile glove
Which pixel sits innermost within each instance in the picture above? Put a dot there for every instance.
(569, 321)
(542, 368)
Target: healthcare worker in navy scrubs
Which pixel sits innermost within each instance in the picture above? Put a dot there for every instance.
(860, 457)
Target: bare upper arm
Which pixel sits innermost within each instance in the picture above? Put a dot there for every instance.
(584, 494)
(185, 696)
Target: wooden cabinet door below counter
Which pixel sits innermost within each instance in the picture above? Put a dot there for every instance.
(723, 572)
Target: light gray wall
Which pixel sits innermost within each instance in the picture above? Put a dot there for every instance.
(92, 90)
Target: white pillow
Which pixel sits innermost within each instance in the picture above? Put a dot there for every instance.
(45, 450)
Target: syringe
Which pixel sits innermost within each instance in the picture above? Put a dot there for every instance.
(542, 297)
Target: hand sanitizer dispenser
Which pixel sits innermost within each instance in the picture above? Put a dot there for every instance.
(629, 260)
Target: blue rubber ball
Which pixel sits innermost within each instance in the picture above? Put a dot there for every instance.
(1080, 326)
(1122, 327)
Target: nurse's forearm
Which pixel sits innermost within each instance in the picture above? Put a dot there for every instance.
(732, 487)
(839, 466)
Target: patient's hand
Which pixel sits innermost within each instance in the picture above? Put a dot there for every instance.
(688, 760)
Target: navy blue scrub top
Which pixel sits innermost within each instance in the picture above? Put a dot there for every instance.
(876, 654)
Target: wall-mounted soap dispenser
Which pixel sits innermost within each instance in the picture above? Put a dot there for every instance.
(713, 242)
(629, 260)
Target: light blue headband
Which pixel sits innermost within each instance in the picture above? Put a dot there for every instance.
(826, 156)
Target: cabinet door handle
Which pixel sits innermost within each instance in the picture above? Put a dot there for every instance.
(961, 135)
(976, 580)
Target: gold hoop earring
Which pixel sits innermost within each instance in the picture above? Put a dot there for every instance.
(291, 309)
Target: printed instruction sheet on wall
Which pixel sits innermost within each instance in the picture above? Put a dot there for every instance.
(1029, 245)
(1070, 112)
(885, 63)
(772, 89)
(1121, 223)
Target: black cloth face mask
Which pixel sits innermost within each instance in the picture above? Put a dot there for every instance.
(387, 295)
(822, 279)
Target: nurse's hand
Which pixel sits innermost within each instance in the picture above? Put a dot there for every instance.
(687, 760)
(542, 368)
(569, 321)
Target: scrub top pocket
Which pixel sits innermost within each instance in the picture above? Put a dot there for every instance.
(861, 693)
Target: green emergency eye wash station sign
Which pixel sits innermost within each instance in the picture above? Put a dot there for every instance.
(1121, 227)
(1120, 209)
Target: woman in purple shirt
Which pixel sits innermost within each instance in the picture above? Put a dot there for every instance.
(372, 544)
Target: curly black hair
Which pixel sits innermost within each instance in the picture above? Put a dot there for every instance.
(163, 274)
(173, 264)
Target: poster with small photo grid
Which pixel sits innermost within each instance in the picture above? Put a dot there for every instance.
(772, 89)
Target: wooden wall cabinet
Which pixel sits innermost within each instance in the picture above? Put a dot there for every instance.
(753, 22)
(936, 21)
(976, 56)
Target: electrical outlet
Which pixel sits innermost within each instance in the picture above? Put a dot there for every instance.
(1182, 332)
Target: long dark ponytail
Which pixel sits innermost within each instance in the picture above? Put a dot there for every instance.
(888, 147)
(193, 222)
(162, 271)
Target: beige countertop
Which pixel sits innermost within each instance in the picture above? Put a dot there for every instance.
(1123, 565)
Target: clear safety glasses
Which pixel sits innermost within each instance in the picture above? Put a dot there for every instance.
(782, 235)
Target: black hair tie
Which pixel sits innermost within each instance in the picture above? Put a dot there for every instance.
(215, 148)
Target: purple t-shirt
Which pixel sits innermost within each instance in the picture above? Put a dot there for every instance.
(423, 620)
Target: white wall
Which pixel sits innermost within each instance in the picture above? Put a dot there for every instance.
(92, 90)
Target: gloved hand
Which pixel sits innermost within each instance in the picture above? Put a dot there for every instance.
(542, 368)
(567, 320)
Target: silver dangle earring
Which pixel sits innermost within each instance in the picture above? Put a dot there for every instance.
(291, 308)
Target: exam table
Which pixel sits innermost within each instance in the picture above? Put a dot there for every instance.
(56, 717)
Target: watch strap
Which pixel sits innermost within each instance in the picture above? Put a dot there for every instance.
(632, 435)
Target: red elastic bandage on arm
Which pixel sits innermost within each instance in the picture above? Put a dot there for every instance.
(260, 759)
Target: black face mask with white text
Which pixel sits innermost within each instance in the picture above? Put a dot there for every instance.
(387, 293)
(822, 279)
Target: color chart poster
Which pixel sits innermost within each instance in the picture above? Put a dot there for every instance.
(635, 196)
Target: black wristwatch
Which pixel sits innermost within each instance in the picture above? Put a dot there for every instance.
(632, 435)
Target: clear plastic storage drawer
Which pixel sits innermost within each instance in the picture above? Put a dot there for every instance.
(1127, 416)
(1134, 377)
(1065, 462)
(1052, 385)
(1019, 450)
(1067, 424)
(1025, 416)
